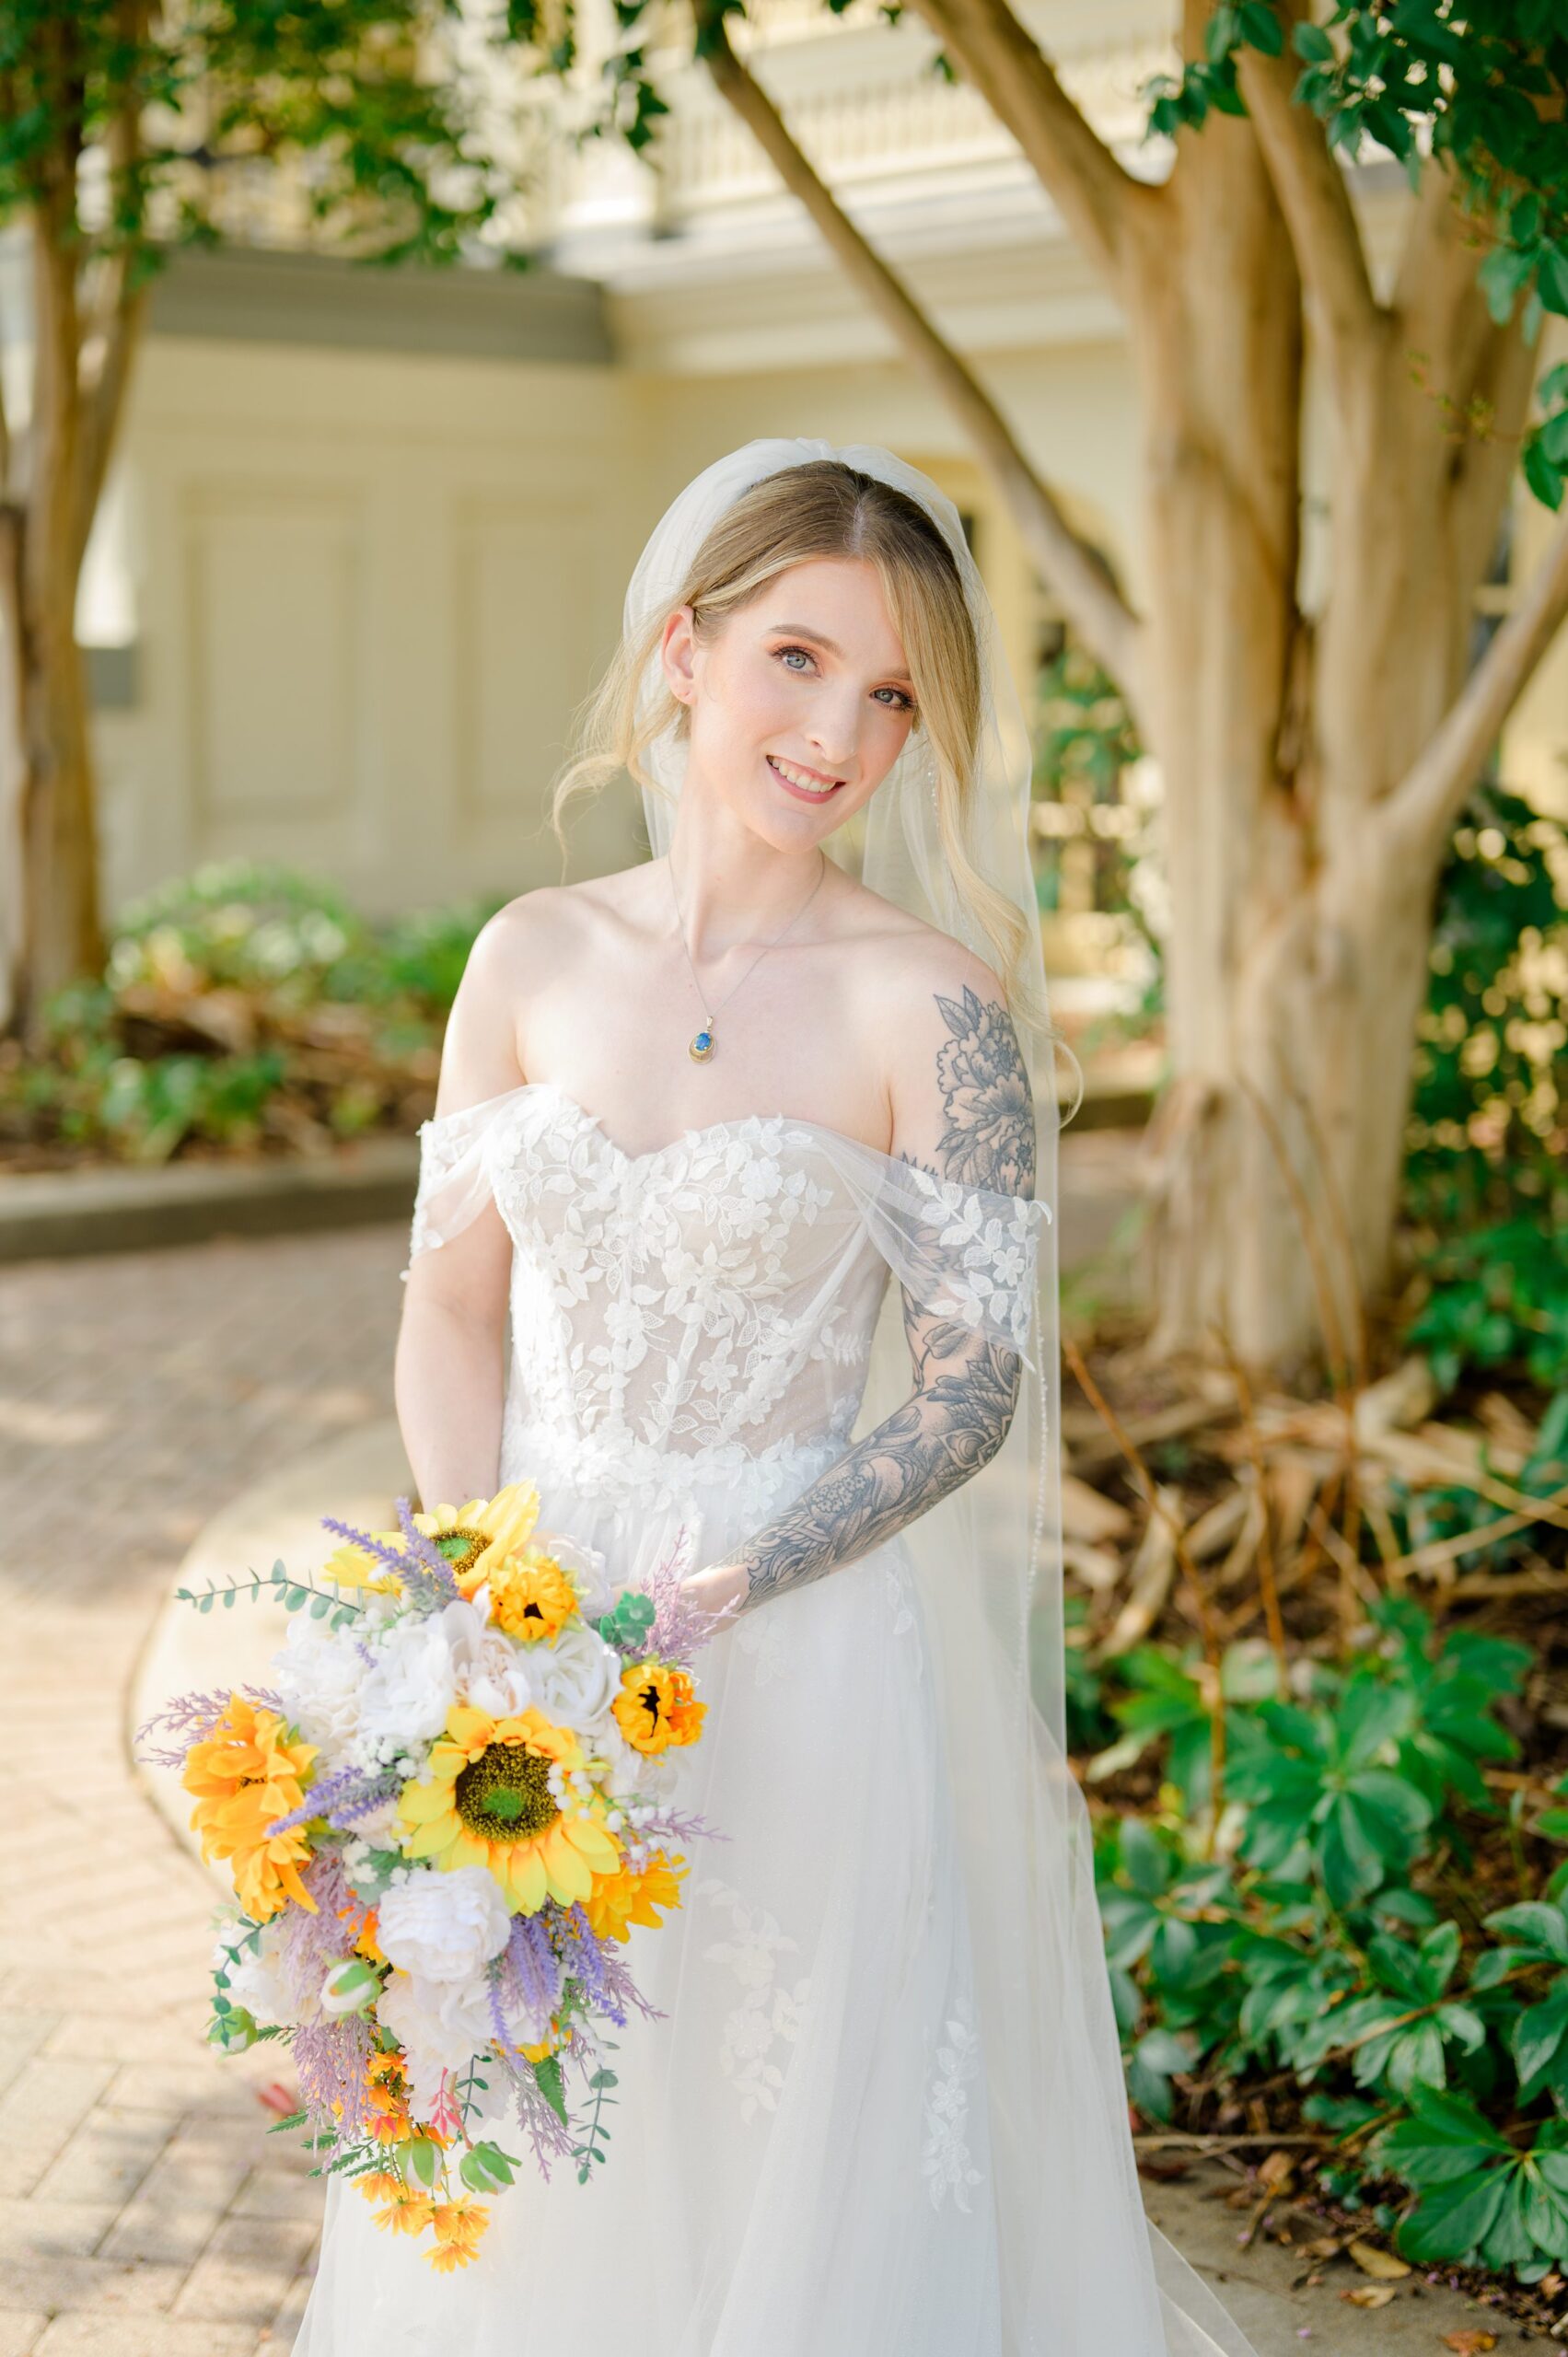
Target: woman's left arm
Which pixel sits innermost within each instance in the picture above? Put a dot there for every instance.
(962, 1111)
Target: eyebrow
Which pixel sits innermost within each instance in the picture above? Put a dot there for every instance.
(820, 638)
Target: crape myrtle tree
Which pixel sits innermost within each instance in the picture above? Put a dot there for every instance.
(1318, 751)
(128, 130)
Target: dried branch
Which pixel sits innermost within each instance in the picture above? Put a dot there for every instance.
(1075, 571)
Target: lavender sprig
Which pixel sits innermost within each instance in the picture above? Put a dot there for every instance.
(418, 1581)
(190, 1719)
(343, 1795)
(680, 1627)
(425, 1549)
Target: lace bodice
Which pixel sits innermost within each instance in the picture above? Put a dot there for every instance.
(718, 1294)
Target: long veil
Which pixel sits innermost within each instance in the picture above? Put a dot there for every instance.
(1082, 2274)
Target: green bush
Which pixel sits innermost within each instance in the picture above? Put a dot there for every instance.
(1485, 1193)
(243, 1007)
(1342, 1933)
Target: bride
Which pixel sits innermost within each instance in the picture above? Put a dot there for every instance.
(734, 1223)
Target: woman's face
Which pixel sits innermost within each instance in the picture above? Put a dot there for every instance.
(800, 703)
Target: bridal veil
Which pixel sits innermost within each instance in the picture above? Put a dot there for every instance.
(1082, 2274)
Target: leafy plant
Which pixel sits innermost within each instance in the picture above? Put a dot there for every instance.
(1333, 1936)
(241, 1007)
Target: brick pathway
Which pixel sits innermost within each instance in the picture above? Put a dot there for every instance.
(144, 2211)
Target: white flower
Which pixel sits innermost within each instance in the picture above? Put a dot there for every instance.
(440, 2024)
(256, 1978)
(577, 1677)
(406, 1697)
(443, 1927)
(318, 1676)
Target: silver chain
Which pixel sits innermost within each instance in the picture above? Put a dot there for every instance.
(710, 1016)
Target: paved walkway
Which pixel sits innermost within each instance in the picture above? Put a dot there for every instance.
(144, 2211)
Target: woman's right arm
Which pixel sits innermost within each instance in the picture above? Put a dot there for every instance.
(448, 1374)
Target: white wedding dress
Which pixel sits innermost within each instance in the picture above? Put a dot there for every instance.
(809, 2157)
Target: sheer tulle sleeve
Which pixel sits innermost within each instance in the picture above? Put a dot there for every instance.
(457, 1160)
(958, 1252)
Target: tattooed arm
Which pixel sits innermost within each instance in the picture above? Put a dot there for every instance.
(976, 1129)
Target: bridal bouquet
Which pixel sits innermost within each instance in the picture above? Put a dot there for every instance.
(442, 1820)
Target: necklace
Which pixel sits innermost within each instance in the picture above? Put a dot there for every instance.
(702, 1043)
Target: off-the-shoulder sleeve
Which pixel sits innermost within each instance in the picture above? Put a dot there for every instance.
(960, 1252)
(456, 1166)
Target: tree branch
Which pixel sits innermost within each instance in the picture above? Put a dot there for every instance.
(1076, 573)
(117, 320)
(1316, 202)
(1422, 809)
(1106, 210)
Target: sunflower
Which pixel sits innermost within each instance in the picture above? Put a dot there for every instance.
(530, 1595)
(243, 1776)
(654, 1708)
(458, 2227)
(634, 1895)
(502, 1794)
(470, 1539)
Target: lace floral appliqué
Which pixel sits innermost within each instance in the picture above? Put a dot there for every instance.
(769, 2015)
(946, 2161)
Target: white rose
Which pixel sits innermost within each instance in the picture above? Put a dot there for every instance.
(256, 1978)
(318, 1676)
(577, 1677)
(443, 1927)
(440, 2024)
(405, 1698)
(495, 1675)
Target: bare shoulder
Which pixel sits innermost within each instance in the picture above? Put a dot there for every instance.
(514, 952)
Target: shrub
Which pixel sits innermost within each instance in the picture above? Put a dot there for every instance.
(1342, 1931)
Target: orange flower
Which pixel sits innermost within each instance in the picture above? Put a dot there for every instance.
(245, 1775)
(531, 1596)
(406, 2214)
(458, 2227)
(633, 1896)
(654, 1707)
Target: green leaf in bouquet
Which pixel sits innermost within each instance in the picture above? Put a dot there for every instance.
(485, 2168)
(422, 2161)
(294, 2120)
(547, 2072)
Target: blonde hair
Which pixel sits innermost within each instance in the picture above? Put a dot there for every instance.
(824, 508)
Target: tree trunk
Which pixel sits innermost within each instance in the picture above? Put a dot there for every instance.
(62, 934)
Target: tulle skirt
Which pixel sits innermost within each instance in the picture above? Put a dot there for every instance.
(797, 2159)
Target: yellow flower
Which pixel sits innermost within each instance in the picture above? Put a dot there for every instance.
(244, 1775)
(470, 1538)
(654, 1707)
(488, 1804)
(458, 2227)
(530, 1595)
(633, 1896)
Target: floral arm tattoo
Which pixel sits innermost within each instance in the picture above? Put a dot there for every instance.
(965, 1388)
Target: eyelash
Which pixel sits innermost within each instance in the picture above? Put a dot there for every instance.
(905, 703)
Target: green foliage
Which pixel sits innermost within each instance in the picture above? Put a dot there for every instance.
(241, 1006)
(1480, 93)
(371, 100)
(1332, 1936)
(1484, 1193)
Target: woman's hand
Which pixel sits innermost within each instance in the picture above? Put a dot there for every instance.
(720, 1584)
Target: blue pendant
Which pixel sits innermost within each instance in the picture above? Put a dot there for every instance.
(702, 1047)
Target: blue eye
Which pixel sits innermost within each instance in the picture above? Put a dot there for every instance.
(904, 703)
(784, 654)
